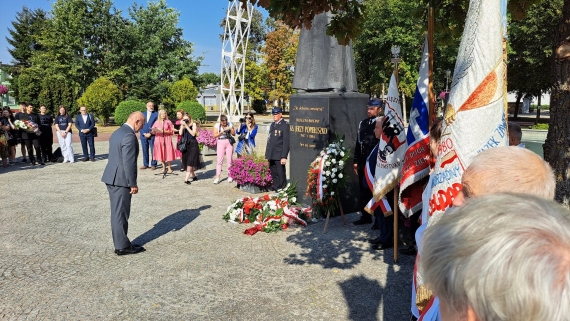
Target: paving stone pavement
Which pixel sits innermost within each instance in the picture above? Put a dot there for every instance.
(57, 260)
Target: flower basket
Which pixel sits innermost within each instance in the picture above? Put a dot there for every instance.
(326, 178)
(251, 170)
(206, 139)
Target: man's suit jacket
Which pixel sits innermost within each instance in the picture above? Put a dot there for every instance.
(278, 141)
(148, 124)
(81, 125)
(121, 168)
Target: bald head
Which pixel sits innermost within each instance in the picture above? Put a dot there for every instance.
(136, 120)
(507, 169)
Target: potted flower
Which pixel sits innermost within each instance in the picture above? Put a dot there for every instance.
(207, 142)
(251, 173)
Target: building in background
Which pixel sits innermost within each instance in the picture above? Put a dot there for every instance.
(8, 99)
(210, 97)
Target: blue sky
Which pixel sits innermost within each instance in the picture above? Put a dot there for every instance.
(199, 20)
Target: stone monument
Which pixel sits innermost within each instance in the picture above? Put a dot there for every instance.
(327, 105)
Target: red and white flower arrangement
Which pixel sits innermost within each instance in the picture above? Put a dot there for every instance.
(269, 213)
(27, 125)
(326, 177)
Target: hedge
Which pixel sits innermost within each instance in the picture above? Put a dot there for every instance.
(194, 108)
(125, 108)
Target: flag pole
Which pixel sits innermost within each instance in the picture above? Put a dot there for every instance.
(431, 102)
(395, 61)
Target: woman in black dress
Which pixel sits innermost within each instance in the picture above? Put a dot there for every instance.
(191, 156)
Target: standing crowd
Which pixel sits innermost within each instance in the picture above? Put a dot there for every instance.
(34, 133)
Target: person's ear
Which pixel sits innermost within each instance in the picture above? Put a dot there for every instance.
(471, 315)
(459, 200)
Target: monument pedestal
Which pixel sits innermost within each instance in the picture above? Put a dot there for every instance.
(316, 119)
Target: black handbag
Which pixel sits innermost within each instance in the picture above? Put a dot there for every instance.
(241, 136)
(182, 146)
(94, 131)
(231, 139)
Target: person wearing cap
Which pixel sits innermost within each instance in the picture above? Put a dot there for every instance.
(365, 142)
(278, 148)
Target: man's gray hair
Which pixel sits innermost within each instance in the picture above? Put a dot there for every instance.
(504, 256)
(509, 169)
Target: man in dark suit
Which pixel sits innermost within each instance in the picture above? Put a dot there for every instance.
(120, 175)
(85, 123)
(278, 148)
(147, 138)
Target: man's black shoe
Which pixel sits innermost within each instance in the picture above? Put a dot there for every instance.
(362, 222)
(382, 246)
(377, 240)
(130, 250)
(410, 250)
(85, 159)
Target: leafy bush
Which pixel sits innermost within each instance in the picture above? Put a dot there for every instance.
(125, 108)
(100, 98)
(540, 126)
(183, 90)
(259, 106)
(194, 108)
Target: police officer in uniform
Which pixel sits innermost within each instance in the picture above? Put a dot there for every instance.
(365, 143)
(278, 148)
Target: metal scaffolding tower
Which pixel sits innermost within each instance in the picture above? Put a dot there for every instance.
(234, 48)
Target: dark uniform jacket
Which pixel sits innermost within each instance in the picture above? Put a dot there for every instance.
(366, 140)
(277, 140)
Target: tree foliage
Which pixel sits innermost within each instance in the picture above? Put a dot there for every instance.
(530, 44)
(182, 90)
(194, 108)
(125, 108)
(279, 56)
(101, 97)
(83, 40)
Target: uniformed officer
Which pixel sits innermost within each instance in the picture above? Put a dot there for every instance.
(365, 143)
(278, 148)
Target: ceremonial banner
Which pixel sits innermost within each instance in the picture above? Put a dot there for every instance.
(473, 122)
(392, 145)
(475, 116)
(417, 157)
(369, 172)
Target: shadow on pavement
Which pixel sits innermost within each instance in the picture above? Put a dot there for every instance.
(331, 250)
(173, 222)
(363, 297)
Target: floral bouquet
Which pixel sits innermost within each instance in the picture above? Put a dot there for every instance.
(326, 177)
(3, 90)
(207, 138)
(27, 125)
(269, 213)
(250, 169)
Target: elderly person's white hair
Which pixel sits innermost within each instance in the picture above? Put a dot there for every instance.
(507, 169)
(500, 257)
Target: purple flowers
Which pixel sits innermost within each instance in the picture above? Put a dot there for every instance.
(250, 169)
(3, 90)
(206, 137)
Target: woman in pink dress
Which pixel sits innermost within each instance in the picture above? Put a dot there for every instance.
(163, 148)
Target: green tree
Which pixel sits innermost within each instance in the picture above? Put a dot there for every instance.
(208, 78)
(101, 97)
(194, 108)
(557, 145)
(182, 90)
(160, 51)
(530, 54)
(279, 55)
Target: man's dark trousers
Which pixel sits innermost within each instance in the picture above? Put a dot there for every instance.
(365, 193)
(147, 143)
(87, 139)
(120, 209)
(278, 173)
